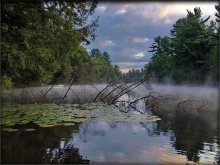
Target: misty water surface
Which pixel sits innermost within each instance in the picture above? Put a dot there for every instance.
(182, 138)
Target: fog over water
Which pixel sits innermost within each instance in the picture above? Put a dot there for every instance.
(86, 93)
(182, 138)
(181, 92)
(203, 92)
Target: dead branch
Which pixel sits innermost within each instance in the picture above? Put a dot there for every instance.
(103, 91)
(135, 109)
(94, 87)
(75, 95)
(122, 89)
(149, 95)
(48, 90)
(126, 90)
(185, 101)
(200, 107)
(72, 81)
(117, 87)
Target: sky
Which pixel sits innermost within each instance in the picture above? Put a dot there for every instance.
(127, 29)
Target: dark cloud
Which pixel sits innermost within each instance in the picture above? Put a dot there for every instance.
(126, 30)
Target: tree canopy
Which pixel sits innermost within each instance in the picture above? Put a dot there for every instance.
(133, 74)
(42, 42)
(189, 55)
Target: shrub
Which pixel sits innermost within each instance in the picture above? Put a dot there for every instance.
(6, 82)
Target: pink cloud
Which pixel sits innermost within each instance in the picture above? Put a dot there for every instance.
(106, 43)
(139, 40)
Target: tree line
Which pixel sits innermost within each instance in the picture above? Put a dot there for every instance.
(42, 42)
(133, 74)
(189, 54)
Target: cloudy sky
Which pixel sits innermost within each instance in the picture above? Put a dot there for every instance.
(126, 30)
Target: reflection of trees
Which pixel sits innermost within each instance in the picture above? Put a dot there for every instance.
(113, 124)
(53, 145)
(217, 158)
(38, 146)
(189, 134)
(165, 125)
(88, 130)
(152, 128)
(64, 156)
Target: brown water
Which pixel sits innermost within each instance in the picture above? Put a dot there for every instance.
(179, 140)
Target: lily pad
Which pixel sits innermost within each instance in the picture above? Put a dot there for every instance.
(10, 129)
(49, 115)
(68, 124)
(30, 129)
(46, 125)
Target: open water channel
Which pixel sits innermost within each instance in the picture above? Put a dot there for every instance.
(97, 133)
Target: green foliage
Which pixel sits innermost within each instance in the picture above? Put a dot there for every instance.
(190, 55)
(104, 71)
(42, 44)
(81, 64)
(6, 82)
(213, 63)
(217, 14)
(117, 75)
(160, 67)
(133, 74)
(39, 37)
(191, 47)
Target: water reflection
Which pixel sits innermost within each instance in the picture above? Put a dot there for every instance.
(191, 135)
(45, 145)
(64, 155)
(179, 140)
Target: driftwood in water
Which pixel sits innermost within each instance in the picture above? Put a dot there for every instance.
(104, 90)
(113, 92)
(192, 104)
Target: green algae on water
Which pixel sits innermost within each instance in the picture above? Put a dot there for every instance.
(49, 115)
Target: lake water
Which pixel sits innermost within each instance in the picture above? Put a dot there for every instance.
(178, 141)
(107, 135)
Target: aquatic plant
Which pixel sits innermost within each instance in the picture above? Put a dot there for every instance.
(49, 115)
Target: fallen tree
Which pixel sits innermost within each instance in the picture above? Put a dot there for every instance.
(114, 94)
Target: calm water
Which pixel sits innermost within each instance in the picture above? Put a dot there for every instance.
(179, 140)
(183, 138)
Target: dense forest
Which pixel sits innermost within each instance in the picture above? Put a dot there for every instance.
(133, 74)
(190, 54)
(43, 42)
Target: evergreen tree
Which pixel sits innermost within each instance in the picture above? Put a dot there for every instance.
(190, 55)
(38, 37)
(160, 66)
(191, 48)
